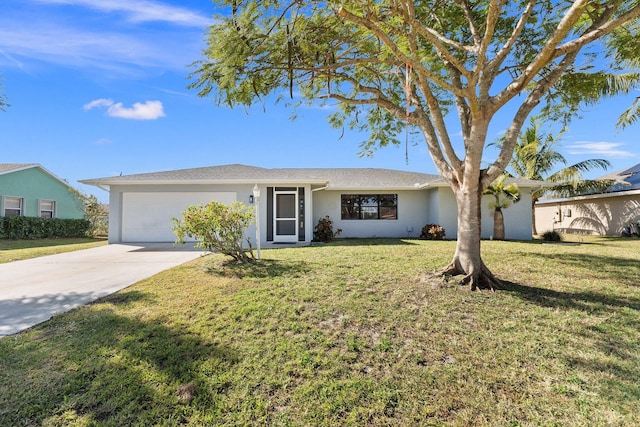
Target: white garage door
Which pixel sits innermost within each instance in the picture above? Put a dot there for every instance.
(146, 217)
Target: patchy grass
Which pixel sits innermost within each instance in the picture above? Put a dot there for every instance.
(14, 250)
(349, 333)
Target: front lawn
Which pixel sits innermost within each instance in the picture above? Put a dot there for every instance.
(349, 333)
(14, 250)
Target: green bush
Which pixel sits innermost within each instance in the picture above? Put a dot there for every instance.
(98, 216)
(323, 232)
(551, 236)
(217, 227)
(432, 232)
(29, 228)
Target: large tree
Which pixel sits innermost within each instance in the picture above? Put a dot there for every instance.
(396, 63)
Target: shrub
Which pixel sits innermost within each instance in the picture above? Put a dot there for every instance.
(98, 216)
(551, 236)
(432, 232)
(323, 232)
(217, 227)
(29, 228)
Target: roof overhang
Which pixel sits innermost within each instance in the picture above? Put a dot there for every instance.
(107, 182)
(590, 197)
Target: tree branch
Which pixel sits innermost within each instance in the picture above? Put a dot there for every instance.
(466, 10)
(542, 58)
(532, 100)
(597, 32)
(417, 65)
(443, 143)
(493, 15)
(492, 66)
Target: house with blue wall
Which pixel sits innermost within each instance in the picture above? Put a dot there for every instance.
(28, 189)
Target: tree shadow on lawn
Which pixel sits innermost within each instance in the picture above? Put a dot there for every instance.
(262, 269)
(605, 326)
(625, 270)
(584, 301)
(109, 368)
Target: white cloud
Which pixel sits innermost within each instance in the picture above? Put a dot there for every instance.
(141, 11)
(97, 38)
(102, 102)
(78, 48)
(601, 148)
(148, 110)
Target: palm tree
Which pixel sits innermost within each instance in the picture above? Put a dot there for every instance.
(535, 157)
(503, 195)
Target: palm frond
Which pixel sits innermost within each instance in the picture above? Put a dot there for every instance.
(592, 186)
(630, 115)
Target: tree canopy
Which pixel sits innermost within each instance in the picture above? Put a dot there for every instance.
(396, 63)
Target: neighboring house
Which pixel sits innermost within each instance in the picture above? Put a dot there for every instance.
(31, 190)
(361, 202)
(605, 213)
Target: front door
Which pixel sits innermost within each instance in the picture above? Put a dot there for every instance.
(284, 220)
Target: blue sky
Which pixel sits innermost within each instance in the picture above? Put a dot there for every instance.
(98, 88)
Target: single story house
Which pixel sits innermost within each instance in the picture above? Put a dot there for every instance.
(28, 189)
(605, 214)
(361, 202)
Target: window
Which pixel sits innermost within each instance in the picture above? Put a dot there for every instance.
(369, 206)
(47, 209)
(13, 206)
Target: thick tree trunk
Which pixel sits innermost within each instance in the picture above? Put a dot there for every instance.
(498, 224)
(467, 259)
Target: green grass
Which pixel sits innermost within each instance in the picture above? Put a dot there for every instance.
(14, 250)
(351, 333)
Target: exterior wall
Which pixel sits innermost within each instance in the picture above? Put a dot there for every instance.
(242, 192)
(34, 184)
(447, 212)
(443, 210)
(412, 214)
(118, 209)
(604, 215)
(517, 218)
(415, 209)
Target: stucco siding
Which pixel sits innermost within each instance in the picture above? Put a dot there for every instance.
(120, 217)
(604, 215)
(517, 218)
(412, 214)
(34, 184)
(417, 208)
(448, 212)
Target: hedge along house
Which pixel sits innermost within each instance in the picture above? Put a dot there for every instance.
(361, 202)
(31, 190)
(605, 214)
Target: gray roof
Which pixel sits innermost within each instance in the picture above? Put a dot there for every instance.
(332, 178)
(628, 179)
(12, 167)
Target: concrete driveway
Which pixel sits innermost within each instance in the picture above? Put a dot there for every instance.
(33, 290)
